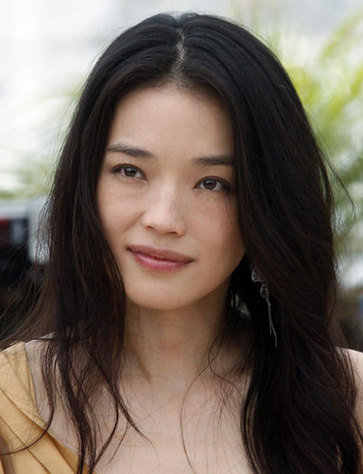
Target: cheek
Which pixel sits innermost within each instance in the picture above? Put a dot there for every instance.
(221, 235)
(115, 213)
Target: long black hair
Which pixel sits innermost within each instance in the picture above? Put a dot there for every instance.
(298, 415)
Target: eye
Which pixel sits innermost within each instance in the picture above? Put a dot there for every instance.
(214, 184)
(129, 171)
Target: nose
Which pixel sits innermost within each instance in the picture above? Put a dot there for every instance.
(164, 210)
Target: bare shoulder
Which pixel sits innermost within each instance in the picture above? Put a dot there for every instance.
(356, 358)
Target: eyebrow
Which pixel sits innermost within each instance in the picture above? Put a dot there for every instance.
(135, 152)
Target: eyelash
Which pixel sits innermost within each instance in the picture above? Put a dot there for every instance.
(225, 185)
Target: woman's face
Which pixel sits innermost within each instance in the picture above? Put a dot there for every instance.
(166, 185)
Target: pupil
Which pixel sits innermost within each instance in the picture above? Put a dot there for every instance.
(130, 171)
(209, 183)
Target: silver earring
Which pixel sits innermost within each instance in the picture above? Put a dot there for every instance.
(256, 277)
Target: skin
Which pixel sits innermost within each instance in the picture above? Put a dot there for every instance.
(167, 201)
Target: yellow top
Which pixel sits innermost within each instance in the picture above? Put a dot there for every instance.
(20, 423)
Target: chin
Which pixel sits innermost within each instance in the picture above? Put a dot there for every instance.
(163, 303)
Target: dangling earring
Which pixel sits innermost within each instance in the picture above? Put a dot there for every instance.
(256, 277)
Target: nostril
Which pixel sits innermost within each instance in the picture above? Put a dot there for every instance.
(163, 217)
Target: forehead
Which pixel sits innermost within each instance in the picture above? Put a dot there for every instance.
(169, 117)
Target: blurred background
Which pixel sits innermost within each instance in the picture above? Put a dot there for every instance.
(47, 48)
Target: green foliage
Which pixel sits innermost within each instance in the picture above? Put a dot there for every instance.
(33, 165)
(331, 90)
(328, 76)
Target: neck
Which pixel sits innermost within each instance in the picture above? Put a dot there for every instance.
(170, 348)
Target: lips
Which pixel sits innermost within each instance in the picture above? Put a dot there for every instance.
(160, 254)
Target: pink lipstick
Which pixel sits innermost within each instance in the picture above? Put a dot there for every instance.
(160, 260)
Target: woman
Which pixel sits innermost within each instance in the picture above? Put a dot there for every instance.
(184, 321)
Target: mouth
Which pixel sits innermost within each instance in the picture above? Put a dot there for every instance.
(160, 254)
(161, 260)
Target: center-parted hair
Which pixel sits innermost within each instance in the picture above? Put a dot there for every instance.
(298, 414)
